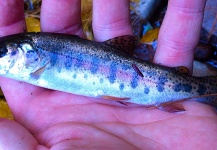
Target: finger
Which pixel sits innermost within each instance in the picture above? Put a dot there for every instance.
(12, 18)
(111, 19)
(179, 33)
(14, 136)
(61, 16)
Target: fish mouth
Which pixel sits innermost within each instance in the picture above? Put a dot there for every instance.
(16, 39)
(3, 49)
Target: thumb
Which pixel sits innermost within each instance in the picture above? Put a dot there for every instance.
(15, 136)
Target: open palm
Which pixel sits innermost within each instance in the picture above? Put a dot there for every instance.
(50, 119)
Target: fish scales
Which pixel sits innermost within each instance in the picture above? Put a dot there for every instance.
(75, 65)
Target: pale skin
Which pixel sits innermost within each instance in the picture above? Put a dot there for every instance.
(46, 119)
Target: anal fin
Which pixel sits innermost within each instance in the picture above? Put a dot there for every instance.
(177, 106)
(172, 107)
(36, 74)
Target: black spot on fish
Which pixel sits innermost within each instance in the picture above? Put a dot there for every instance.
(95, 65)
(68, 63)
(79, 60)
(146, 90)
(125, 67)
(121, 86)
(53, 59)
(59, 68)
(85, 76)
(112, 72)
(162, 79)
(201, 89)
(187, 88)
(160, 87)
(178, 87)
(134, 81)
(74, 76)
(101, 80)
(182, 87)
(151, 73)
(161, 83)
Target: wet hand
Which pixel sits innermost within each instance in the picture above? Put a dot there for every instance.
(51, 119)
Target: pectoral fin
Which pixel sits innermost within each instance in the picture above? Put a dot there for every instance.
(120, 100)
(36, 74)
(115, 98)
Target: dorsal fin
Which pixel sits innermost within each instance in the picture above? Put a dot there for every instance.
(126, 43)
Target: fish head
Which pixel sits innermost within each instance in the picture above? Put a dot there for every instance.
(17, 55)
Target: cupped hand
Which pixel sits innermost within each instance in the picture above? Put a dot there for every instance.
(46, 119)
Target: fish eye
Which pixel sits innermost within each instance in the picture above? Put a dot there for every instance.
(12, 49)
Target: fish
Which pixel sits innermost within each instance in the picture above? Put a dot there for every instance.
(105, 70)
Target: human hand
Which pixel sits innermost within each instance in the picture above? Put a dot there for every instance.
(50, 119)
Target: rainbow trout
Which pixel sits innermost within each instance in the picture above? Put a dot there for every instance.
(98, 69)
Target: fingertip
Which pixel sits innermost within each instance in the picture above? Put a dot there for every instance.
(172, 55)
(13, 135)
(179, 33)
(61, 16)
(12, 18)
(197, 108)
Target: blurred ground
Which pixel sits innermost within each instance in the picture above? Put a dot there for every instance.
(209, 32)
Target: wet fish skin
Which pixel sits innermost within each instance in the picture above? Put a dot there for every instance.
(75, 65)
